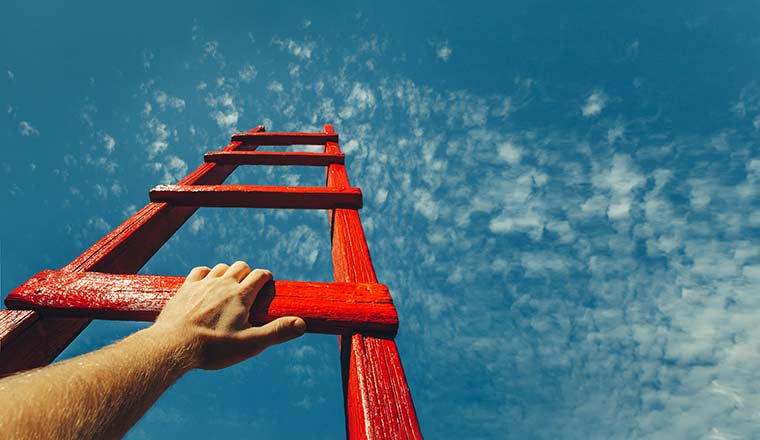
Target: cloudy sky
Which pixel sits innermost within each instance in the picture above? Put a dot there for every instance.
(562, 196)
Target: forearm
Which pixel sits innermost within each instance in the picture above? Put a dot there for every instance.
(96, 395)
(103, 393)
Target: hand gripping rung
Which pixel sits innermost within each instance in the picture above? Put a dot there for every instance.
(273, 158)
(253, 196)
(332, 308)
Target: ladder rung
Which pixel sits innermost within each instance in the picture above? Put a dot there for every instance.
(284, 138)
(333, 308)
(253, 196)
(273, 158)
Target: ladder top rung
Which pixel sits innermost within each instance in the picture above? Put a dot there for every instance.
(274, 158)
(334, 308)
(284, 138)
(254, 196)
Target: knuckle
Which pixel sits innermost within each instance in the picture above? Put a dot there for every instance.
(281, 331)
(262, 273)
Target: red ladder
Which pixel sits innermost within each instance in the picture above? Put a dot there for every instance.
(50, 309)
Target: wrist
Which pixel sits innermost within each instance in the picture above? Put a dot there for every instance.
(174, 345)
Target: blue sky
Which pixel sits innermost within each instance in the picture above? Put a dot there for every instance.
(563, 198)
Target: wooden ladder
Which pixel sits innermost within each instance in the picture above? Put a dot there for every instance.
(50, 309)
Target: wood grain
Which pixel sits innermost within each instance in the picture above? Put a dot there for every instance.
(331, 308)
(253, 196)
(273, 158)
(377, 398)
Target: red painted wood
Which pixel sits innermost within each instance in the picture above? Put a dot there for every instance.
(273, 158)
(16, 321)
(39, 343)
(284, 138)
(331, 308)
(251, 196)
(377, 398)
(125, 250)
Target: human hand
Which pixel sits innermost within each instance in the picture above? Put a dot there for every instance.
(209, 317)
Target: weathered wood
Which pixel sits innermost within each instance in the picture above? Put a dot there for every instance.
(273, 158)
(331, 308)
(252, 196)
(16, 321)
(284, 138)
(378, 403)
(125, 250)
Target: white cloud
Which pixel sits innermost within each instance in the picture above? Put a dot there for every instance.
(173, 169)
(160, 133)
(299, 50)
(11, 76)
(426, 205)
(621, 178)
(443, 51)
(226, 120)
(247, 73)
(587, 270)
(165, 100)
(99, 223)
(276, 87)
(196, 224)
(526, 221)
(619, 181)
(109, 143)
(360, 100)
(595, 103)
(227, 114)
(210, 48)
(510, 153)
(615, 133)
(381, 195)
(26, 129)
(538, 264)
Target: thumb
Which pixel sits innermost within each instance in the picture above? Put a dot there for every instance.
(276, 332)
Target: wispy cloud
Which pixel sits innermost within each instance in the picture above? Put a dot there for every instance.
(164, 101)
(160, 137)
(26, 129)
(602, 279)
(361, 99)
(443, 51)
(109, 143)
(302, 50)
(247, 73)
(595, 103)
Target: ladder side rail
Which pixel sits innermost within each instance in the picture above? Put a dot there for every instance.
(125, 250)
(378, 403)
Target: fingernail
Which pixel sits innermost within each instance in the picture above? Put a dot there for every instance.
(298, 325)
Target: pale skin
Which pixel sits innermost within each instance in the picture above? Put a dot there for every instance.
(102, 394)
